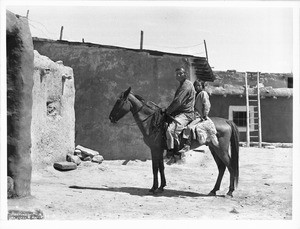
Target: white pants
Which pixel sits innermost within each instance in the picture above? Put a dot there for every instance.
(175, 129)
(190, 128)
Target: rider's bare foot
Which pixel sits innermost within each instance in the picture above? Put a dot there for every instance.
(171, 161)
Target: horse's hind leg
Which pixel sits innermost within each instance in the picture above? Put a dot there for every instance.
(222, 158)
(221, 168)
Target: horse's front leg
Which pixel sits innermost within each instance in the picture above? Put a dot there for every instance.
(155, 164)
(162, 172)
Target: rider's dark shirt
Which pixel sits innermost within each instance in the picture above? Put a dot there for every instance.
(184, 99)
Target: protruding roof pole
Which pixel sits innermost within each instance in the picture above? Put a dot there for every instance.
(61, 33)
(206, 51)
(141, 42)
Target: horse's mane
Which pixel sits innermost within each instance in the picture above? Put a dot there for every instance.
(149, 104)
(140, 98)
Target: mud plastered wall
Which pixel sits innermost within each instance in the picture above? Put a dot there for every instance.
(101, 74)
(19, 102)
(277, 115)
(53, 115)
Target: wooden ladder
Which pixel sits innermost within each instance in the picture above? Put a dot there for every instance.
(253, 115)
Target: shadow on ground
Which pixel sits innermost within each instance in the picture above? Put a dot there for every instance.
(145, 192)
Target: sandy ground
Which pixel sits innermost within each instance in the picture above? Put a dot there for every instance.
(119, 189)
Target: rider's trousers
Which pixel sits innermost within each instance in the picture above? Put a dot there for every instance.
(174, 129)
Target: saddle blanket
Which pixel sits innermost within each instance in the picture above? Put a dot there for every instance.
(205, 131)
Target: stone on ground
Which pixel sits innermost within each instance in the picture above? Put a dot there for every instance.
(98, 159)
(65, 166)
(73, 158)
(77, 152)
(88, 158)
(86, 152)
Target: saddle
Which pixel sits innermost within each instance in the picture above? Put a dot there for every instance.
(204, 132)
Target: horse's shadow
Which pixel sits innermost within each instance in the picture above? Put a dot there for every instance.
(135, 191)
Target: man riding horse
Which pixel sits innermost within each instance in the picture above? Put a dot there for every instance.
(182, 109)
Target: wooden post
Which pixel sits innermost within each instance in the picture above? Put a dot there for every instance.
(27, 14)
(82, 40)
(247, 111)
(61, 32)
(206, 51)
(141, 42)
(259, 112)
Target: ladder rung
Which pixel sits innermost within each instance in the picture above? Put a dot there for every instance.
(253, 136)
(253, 100)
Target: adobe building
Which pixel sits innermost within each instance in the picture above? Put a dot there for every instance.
(19, 103)
(102, 72)
(53, 115)
(40, 108)
(227, 95)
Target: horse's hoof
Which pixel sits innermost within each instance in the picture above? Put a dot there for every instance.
(160, 190)
(229, 194)
(153, 191)
(211, 194)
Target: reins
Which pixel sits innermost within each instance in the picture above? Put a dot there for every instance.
(136, 112)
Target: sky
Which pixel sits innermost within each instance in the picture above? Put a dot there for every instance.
(240, 38)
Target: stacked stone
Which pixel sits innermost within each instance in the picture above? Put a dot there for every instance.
(80, 154)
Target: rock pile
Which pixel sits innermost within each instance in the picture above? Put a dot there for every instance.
(80, 154)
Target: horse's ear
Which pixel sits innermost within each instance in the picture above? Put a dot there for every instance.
(126, 93)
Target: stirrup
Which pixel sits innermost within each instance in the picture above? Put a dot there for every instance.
(184, 149)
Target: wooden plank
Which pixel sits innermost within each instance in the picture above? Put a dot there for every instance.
(259, 113)
(247, 111)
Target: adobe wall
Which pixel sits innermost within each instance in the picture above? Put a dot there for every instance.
(277, 115)
(100, 75)
(19, 102)
(53, 115)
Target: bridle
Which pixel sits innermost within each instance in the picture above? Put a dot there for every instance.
(138, 110)
(143, 104)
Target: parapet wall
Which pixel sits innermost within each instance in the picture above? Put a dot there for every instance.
(53, 115)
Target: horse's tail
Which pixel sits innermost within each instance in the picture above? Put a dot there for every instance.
(234, 141)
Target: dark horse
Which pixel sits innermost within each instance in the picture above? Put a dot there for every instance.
(144, 115)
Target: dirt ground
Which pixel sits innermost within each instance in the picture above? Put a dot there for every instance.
(119, 189)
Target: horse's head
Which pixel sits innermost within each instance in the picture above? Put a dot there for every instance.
(121, 107)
